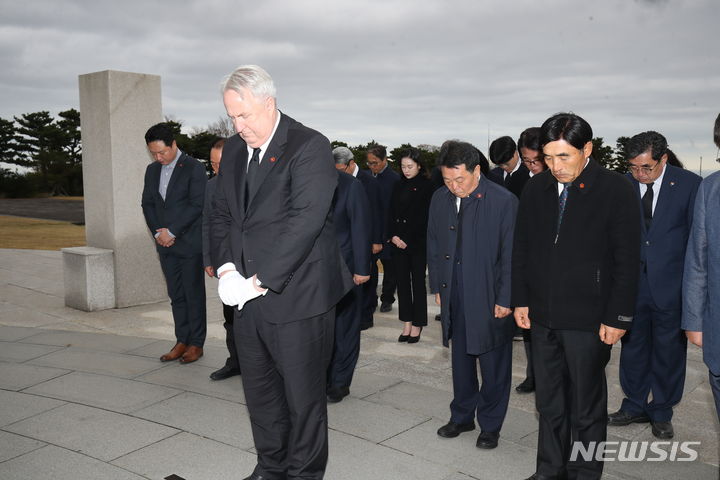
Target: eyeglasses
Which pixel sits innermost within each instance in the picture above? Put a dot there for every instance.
(644, 168)
(531, 162)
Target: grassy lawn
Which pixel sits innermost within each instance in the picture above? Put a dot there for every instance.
(33, 234)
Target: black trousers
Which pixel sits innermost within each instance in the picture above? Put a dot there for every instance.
(570, 395)
(185, 279)
(228, 316)
(714, 381)
(284, 367)
(527, 343)
(653, 359)
(370, 297)
(347, 338)
(410, 276)
(389, 283)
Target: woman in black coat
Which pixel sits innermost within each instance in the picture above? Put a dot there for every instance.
(408, 218)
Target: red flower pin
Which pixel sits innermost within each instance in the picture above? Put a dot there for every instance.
(479, 195)
(582, 185)
(272, 159)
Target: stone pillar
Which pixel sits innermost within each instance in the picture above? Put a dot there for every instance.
(116, 109)
(89, 278)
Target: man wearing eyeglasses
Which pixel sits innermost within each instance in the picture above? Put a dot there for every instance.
(701, 311)
(530, 152)
(654, 351)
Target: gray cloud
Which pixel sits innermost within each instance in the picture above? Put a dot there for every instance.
(394, 71)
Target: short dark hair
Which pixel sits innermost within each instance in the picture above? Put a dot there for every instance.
(379, 151)
(566, 126)
(218, 143)
(160, 132)
(454, 153)
(414, 155)
(530, 139)
(716, 132)
(502, 150)
(649, 141)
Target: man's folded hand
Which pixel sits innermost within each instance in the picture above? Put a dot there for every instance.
(235, 290)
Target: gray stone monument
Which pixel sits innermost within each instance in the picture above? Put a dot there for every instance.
(116, 109)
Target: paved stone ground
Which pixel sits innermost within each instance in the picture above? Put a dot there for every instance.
(45, 208)
(83, 396)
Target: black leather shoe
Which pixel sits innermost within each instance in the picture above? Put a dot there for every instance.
(487, 440)
(452, 430)
(365, 326)
(224, 372)
(403, 338)
(527, 386)
(385, 307)
(438, 317)
(622, 418)
(336, 394)
(663, 430)
(255, 477)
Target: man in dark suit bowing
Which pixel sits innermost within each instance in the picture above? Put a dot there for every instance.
(279, 263)
(510, 171)
(172, 203)
(654, 352)
(574, 276)
(351, 216)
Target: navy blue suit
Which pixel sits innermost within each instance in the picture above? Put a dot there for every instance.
(351, 217)
(369, 288)
(654, 351)
(386, 181)
(182, 263)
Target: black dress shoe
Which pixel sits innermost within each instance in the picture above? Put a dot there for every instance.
(452, 430)
(403, 338)
(365, 326)
(487, 440)
(385, 307)
(336, 394)
(663, 430)
(224, 372)
(527, 386)
(255, 477)
(438, 317)
(622, 418)
(412, 339)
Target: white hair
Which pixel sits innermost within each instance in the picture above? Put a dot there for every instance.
(251, 77)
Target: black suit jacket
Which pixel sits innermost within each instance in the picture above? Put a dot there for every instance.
(386, 183)
(181, 211)
(409, 207)
(351, 216)
(588, 274)
(515, 182)
(286, 235)
(372, 190)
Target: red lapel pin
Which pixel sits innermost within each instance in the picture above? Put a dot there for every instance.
(272, 159)
(582, 185)
(479, 195)
(672, 183)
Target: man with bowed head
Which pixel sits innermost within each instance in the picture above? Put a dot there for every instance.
(469, 245)
(574, 279)
(279, 263)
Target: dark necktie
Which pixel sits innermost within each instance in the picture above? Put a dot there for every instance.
(647, 202)
(562, 202)
(458, 243)
(251, 172)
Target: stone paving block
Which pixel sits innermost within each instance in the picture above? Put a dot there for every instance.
(210, 417)
(190, 457)
(458, 476)
(103, 342)
(16, 376)
(371, 421)
(352, 458)
(10, 333)
(19, 352)
(28, 317)
(12, 445)
(365, 384)
(55, 463)
(15, 406)
(666, 470)
(415, 398)
(116, 394)
(518, 424)
(91, 431)
(431, 374)
(196, 378)
(94, 361)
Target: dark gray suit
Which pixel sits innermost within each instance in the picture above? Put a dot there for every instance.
(284, 235)
(181, 213)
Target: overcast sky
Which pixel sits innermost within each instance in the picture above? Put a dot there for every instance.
(393, 70)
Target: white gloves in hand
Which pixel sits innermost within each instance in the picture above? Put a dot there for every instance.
(234, 290)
